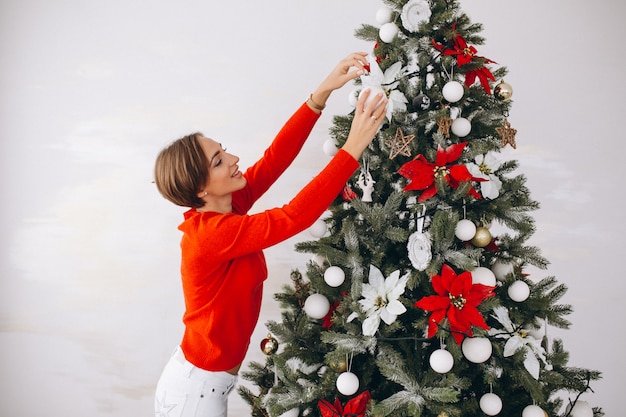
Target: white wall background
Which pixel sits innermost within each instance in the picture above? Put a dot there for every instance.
(90, 91)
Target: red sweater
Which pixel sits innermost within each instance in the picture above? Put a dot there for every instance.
(223, 267)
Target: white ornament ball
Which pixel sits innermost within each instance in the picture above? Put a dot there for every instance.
(482, 275)
(374, 90)
(490, 404)
(476, 349)
(519, 291)
(347, 383)
(501, 270)
(441, 361)
(383, 15)
(316, 306)
(580, 409)
(353, 97)
(533, 411)
(388, 32)
(318, 229)
(465, 230)
(461, 127)
(330, 147)
(453, 91)
(334, 276)
(319, 260)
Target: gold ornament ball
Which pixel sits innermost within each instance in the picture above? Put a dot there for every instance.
(339, 366)
(269, 345)
(482, 237)
(503, 91)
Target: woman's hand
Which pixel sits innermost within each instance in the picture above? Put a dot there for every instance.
(348, 69)
(368, 117)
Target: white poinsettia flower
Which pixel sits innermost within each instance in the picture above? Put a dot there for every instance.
(388, 82)
(415, 12)
(380, 299)
(484, 167)
(519, 339)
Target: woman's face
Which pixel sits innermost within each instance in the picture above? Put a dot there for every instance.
(224, 175)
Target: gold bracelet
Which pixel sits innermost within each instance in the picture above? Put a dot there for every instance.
(314, 104)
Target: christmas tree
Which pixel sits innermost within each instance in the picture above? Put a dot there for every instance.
(418, 301)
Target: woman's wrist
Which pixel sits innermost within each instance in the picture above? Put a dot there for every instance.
(315, 105)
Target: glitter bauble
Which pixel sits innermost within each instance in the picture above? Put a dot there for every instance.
(482, 237)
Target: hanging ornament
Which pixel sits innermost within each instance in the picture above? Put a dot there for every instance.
(418, 245)
(444, 125)
(338, 365)
(476, 349)
(453, 91)
(366, 182)
(334, 276)
(501, 270)
(421, 102)
(533, 411)
(490, 404)
(482, 237)
(503, 91)
(316, 306)
(399, 144)
(347, 383)
(465, 230)
(330, 147)
(384, 15)
(507, 133)
(482, 275)
(441, 361)
(388, 32)
(461, 127)
(519, 291)
(269, 345)
(580, 409)
(318, 229)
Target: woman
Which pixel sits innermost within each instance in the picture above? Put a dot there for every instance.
(223, 267)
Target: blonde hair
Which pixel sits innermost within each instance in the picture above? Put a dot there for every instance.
(181, 170)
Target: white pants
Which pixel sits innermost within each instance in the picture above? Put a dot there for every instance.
(185, 390)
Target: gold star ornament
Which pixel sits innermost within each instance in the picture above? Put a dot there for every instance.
(399, 144)
(444, 126)
(507, 133)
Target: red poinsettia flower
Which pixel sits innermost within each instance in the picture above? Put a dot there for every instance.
(457, 300)
(354, 408)
(422, 174)
(465, 54)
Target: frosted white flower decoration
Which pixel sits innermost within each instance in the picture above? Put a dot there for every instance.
(388, 82)
(519, 339)
(380, 299)
(415, 12)
(484, 167)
